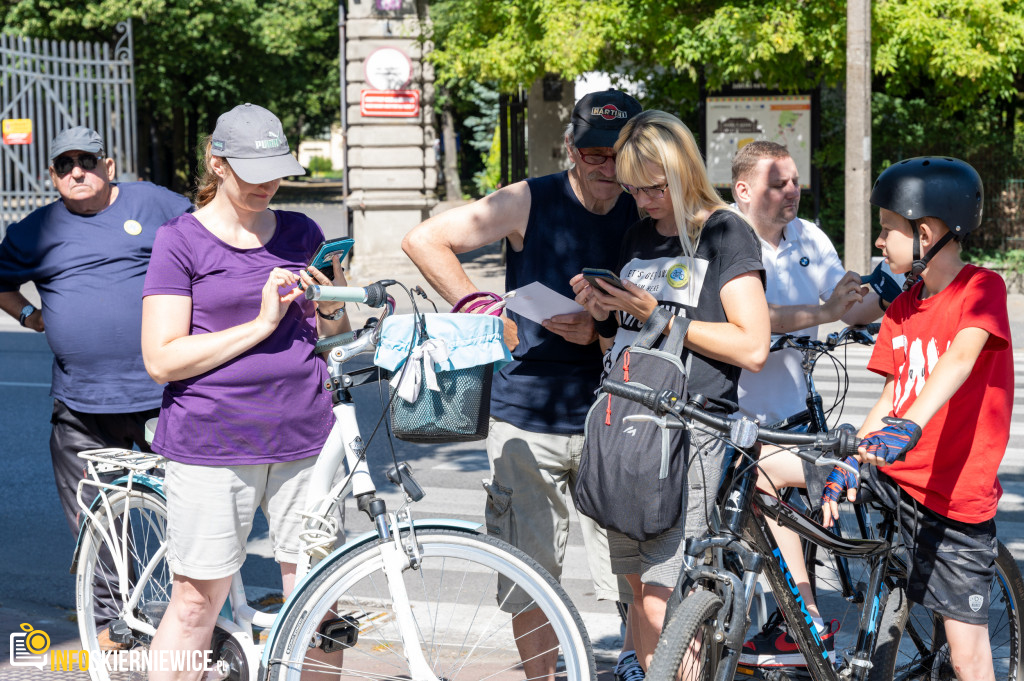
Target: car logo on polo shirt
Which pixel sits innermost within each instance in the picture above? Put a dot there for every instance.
(133, 227)
(609, 112)
(805, 261)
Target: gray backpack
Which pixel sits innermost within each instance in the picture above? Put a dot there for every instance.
(632, 474)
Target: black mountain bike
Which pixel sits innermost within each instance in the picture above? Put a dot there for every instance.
(709, 613)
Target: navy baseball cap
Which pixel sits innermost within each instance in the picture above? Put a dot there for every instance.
(599, 116)
(252, 140)
(78, 138)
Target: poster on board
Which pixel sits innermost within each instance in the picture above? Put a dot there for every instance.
(734, 122)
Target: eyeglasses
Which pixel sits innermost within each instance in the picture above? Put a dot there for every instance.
(595, 159)
(652, 192)
(62, 165)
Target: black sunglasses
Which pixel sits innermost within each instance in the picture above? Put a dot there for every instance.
(62, 165)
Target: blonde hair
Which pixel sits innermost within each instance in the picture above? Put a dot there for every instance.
(208, 181)
(660, 139)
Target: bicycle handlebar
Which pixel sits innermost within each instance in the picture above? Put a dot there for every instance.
(743, 432)
(864, 335)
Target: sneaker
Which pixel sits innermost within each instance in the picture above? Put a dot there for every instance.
(629, 669)
(774, 647)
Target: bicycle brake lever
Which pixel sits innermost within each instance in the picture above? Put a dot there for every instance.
(825, 461)
(659, 421)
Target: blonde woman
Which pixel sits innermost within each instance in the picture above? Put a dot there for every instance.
(693, 255)
(244, 412)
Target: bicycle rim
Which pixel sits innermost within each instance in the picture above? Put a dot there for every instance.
(687, 648)
(924, 655)
(96, 583)
(461, 630)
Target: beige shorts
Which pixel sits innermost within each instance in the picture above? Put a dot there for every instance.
(533, 474)
(210, 511)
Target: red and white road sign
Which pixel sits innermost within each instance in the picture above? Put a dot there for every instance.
(389, 103)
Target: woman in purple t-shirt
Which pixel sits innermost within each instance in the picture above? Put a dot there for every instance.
(244, 412)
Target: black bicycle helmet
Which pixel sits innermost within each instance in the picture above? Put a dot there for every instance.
(932, 186)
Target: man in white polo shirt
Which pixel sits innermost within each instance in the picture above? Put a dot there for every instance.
(806, 283)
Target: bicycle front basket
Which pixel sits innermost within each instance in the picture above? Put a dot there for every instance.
(442, 380)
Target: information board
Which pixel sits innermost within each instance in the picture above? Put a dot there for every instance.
(734, 122)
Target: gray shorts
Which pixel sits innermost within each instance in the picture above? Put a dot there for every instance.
(531, 476)
(658, 560)
(210, 511)
(952, 564)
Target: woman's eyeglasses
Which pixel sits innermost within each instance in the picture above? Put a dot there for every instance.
(652, 192)
(62, 165)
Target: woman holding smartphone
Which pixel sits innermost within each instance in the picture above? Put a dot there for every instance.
(225, 325)
(693, 255)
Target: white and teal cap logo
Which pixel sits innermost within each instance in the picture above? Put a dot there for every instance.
(253, 141)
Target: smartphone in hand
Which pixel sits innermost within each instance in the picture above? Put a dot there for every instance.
(607, 278)
(322, 258)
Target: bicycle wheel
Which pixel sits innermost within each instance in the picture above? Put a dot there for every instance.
(687, 648)
(343, 622)
(911, 642)
(100, 598)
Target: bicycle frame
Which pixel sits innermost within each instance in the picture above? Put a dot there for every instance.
(745, 514)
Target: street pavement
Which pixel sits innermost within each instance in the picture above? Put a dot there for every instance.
(36, 547)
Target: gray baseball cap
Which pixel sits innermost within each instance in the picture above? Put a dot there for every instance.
(76, 139)
(252, 140)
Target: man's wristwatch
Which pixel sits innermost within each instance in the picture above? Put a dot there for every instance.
(334, 316)
(26, 312)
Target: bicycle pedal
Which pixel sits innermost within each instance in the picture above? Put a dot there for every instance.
(120, 632)
(338, 634)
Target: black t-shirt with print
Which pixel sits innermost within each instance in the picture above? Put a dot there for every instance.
(728, 248)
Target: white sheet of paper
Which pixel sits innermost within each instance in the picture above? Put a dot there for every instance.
(537, 302)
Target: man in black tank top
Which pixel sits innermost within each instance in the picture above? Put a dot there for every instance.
(554, 226)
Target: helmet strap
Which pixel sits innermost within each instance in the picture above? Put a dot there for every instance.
(920, 263)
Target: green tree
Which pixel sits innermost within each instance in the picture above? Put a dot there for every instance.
(196, 59)
(947, 72)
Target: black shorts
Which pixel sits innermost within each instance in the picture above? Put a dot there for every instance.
(952, 563)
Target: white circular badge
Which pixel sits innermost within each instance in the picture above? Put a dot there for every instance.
(133, 227)
(388, 69)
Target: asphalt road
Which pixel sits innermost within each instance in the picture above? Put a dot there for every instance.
(36, 547)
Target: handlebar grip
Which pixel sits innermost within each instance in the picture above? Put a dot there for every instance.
(873, 328)
(645, 396)
(330, 342)
(374, 295)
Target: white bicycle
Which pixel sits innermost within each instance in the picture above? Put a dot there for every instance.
(414, 599)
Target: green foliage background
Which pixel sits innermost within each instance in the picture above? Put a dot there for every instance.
(947, 73)
(196, 59)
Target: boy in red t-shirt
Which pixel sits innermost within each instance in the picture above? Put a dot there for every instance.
(945, 350)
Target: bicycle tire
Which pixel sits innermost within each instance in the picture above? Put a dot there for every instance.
(463, 632)
(911, 641)
(147, 523)
(691, 626)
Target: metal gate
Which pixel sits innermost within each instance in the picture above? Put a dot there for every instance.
(58, 85)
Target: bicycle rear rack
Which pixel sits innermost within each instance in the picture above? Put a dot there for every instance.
(112, 458)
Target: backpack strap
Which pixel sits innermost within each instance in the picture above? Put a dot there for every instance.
(652, 328)
(673, 345)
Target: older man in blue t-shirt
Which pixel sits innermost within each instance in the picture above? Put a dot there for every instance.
(87, 254)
